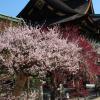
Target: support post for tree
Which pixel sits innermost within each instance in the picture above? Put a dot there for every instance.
(28, 84)
(41, 90)
(61, 91)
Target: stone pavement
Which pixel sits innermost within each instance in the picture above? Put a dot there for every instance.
(77, 99)
(98, 98)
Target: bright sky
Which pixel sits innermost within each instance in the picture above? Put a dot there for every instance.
(96, 5)
(13, 7)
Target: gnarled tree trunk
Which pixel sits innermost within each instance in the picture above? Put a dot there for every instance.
(21, 79)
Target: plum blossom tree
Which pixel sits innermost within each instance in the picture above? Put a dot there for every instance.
(26, 51)
(88, 67)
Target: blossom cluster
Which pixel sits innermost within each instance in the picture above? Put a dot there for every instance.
(32, 50)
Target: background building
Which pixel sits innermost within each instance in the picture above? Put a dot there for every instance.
(6, 21)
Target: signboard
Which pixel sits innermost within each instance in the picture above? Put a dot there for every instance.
(90, 85)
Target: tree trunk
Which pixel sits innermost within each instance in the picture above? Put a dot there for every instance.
(21, 79)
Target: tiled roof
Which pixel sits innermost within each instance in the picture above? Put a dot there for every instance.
(10, 18)
(51, 11)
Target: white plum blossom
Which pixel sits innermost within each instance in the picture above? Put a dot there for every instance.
(32, 50)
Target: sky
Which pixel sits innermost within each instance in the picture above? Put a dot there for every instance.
(96, 5)
(13, 7)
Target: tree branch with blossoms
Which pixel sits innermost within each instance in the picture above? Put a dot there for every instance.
(28, 50)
